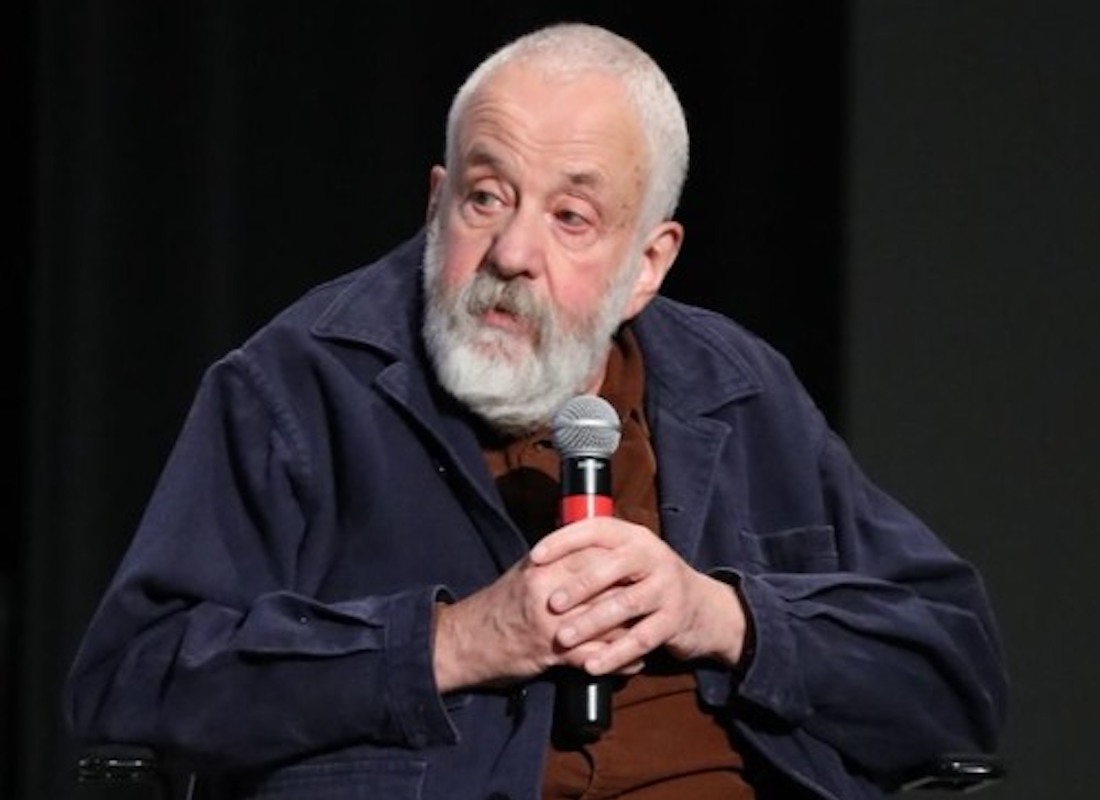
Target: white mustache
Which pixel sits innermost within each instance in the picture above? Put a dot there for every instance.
(487, 292)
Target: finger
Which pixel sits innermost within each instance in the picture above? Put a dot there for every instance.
(595, 581)
(607, 618)
(594, 652)
(562, 542)
(603, 532)
(626, 651)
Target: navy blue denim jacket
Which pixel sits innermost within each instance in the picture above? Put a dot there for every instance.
(271, 621)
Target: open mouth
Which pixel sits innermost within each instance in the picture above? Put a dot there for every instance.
(504, 318)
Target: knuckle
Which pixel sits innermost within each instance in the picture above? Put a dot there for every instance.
(645, 639)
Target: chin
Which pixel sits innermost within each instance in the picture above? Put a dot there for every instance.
(501, 346)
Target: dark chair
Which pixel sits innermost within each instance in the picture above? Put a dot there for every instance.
(957, 772)
(134, 771)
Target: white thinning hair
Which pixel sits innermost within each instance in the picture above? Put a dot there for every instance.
(573, 48)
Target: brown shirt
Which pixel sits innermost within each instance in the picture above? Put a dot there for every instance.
(662, 745)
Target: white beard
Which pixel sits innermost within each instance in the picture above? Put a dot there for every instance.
(513, 381)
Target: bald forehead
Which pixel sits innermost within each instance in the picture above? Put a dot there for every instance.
(582, 120)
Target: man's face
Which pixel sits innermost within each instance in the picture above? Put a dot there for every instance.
(534, 256)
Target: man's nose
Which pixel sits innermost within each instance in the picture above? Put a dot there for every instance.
(519, 245)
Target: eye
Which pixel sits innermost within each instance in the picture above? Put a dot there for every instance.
(572, 219)
(577, 225)
(482, 204)
(484, 200)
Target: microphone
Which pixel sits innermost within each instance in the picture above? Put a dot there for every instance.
(585, 432)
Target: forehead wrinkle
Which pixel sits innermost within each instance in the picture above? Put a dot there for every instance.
(495, 121)
(481, 154)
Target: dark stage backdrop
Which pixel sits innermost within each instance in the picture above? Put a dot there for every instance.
(903, 195)
(195, 166)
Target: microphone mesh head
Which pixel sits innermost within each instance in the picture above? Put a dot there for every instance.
(587, 425)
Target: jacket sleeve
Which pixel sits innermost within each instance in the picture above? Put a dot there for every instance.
(208, 641)
(890, 654)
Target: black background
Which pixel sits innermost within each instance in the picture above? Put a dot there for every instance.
(900, 195)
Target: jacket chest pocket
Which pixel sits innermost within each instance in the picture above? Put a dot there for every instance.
(807, 549)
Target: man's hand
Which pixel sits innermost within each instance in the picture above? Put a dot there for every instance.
(598, 594)
(623, 580)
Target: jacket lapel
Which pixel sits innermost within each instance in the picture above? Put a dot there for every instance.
(692, 373)
(454, 447)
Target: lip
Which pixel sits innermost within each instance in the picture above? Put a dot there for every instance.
(503, 320)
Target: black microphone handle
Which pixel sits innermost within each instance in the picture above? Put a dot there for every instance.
(582, 708)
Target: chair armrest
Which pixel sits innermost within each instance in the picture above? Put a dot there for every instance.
(132, 770)
(957, 772)
(118, 764)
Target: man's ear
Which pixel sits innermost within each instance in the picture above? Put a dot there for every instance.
(660, 251)
(436, 179)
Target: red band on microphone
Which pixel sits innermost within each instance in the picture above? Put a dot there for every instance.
(582, 506)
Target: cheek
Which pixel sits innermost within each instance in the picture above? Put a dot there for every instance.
(580, 290)
(461, 257)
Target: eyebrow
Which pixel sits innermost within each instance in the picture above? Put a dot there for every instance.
(590, 179)
(479, 156)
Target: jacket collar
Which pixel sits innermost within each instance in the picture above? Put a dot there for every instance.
(690, 359)
(380, 304)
